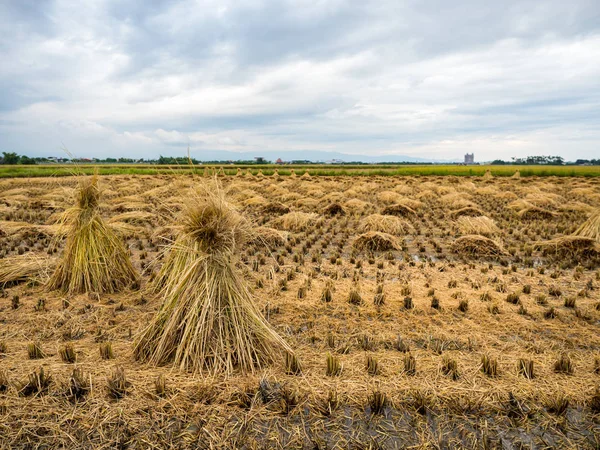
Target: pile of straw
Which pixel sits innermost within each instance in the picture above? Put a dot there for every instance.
(24, 230)
(94, 259)
(398, 210)
(275, 208)
(468, 211)
(270, 237)
(477, 245)
(355, 204)
(389, 197)
(477, 225)
(334, 209)
(208, 322)
(535, 213)
(20, 268)
(570, 247)
(135, 217)
(385, 224)
(590, 228)
(127, 230)
(296, 221)
(375, 241)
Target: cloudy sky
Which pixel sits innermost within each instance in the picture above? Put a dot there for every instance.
(425, 78)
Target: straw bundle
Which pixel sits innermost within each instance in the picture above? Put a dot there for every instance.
(477, 245)
(269, 237)
(15, 269)
(469, 211)
(535, 213)
(570, 246)
(94, 259)
(398, 210)
(590, 228)
(355, 204)
(126, 229)
(477, 225)
(208, 321)
(24, 230)
(296, 221)
(334, 209)
(385, 224)
(376, 241)
(389, 197)
(275, 208)
(136, 217)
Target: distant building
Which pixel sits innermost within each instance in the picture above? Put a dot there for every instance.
(470, 158)
(279, 161)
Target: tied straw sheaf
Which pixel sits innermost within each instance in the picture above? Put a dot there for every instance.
(208, 322)
(95, 259)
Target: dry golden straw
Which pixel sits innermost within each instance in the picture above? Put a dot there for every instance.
(386, 224)
(376, 241)
(94, 259)
(296, 221)
(590, 228)
(477, 225)
(208, 322)
(570, 246)
(269, 237)
(477, 245)
(16, 269)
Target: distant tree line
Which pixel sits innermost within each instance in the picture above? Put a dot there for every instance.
(13, 158)
(547, 161)
(586, 162)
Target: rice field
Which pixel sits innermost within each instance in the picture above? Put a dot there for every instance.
(416, 311)
(58, 170)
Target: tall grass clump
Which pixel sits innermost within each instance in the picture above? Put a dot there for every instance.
(208, 322)
(94, 259)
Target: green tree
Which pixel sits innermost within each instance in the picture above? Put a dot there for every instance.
(10, 158)
(26, 160)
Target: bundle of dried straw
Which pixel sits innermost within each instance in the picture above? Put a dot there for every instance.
(208, 322)
(94, 259)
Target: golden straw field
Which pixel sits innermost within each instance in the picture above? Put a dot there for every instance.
(393, 312)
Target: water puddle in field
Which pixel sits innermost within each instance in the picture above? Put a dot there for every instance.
(426, 258)
(538, 262)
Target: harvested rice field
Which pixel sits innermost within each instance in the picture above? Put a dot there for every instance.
(300, 312)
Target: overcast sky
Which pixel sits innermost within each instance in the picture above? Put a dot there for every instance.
(431, 79)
